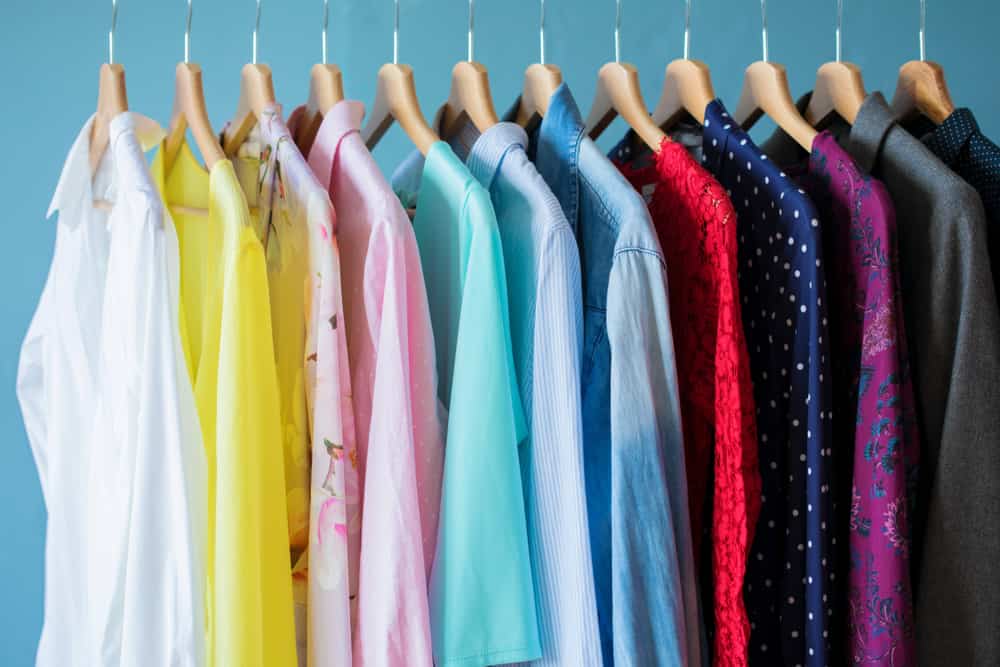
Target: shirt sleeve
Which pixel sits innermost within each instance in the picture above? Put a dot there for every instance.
(253, 612)
(149, 460)
(403, 463)
(554, 486)
(482, 603)
(955, 348)
(653, 565)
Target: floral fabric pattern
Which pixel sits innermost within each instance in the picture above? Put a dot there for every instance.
(873, 380)
(696, 224)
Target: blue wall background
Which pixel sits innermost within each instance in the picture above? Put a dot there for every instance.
(50, 51)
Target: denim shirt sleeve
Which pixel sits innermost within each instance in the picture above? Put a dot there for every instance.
(647, 463)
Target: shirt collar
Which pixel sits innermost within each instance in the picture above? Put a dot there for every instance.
(868, 133)
(129, 134)
(75, 180)
(342, 119)
(491, 147)
(555, 150)
(948, 140)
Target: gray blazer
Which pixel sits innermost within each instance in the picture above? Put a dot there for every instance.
(953, 330)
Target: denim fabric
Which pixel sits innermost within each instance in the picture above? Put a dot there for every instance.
(633, 451)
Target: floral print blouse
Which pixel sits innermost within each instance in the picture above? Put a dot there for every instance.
(874, 400)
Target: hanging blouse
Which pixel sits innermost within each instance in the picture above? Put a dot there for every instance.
(112, 423)
(394, 387)
(482, 603)
(783, 293)
(696, 224)
(295, 222)
(226, 330)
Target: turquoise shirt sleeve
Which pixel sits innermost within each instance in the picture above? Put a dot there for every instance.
(482, 601)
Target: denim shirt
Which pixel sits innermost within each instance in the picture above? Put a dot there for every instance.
(633, 450)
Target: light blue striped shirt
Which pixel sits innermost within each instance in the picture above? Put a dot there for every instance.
(546, 316)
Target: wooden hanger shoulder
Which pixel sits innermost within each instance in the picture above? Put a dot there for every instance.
(687, 88)
(256, 94)
(922, 88)
(540, 83)
(469, 97)
(396, 99)
(112, 100)
(326, 89)
(618, 92)
(190, 111)
(765, 91)
(839, 89)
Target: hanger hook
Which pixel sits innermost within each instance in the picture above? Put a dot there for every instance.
(472, 28)
(923, 30)
(618, 30)
(256, 30)
(763, 28)
(687, 30)
(111, 32)
(541, 33)
(326, 20)
(840, 29)
(187, 34)
(395, 33)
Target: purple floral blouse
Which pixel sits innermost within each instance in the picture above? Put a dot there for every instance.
(872, 379)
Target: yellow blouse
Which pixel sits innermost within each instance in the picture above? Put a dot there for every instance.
(228, 344)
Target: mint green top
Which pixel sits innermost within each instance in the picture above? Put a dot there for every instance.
(482, 601)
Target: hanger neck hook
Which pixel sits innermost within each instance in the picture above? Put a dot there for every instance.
(541, 33)
(256, 30)
(472, 29)
(923, 30)
(187, 34)
(838, 33)
(618, 30)
(763, 28)
(687, 30)
(326, 20)
(395, 33)
(111, 32)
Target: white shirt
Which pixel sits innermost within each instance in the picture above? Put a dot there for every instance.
(112, 424)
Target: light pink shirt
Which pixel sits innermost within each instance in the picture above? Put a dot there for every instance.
(394, 379)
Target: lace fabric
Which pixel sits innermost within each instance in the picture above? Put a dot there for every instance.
(696, 225)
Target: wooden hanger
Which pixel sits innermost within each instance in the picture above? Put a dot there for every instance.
(469, 96)
(687, 90)
(839, 87)
(111, 97)
(921, 87)
(256, 95)
(396, 99)
(839, 90)
(111, 101)
(765, 91)
(540, 83)
(190, 111)
(687, 86)
(619, 93)
(326, 89)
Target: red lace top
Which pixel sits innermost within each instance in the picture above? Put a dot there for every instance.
(696, 225)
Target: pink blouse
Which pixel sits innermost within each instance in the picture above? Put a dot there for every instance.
(393, 375)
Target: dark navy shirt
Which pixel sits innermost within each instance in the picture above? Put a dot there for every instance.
(783, 299)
